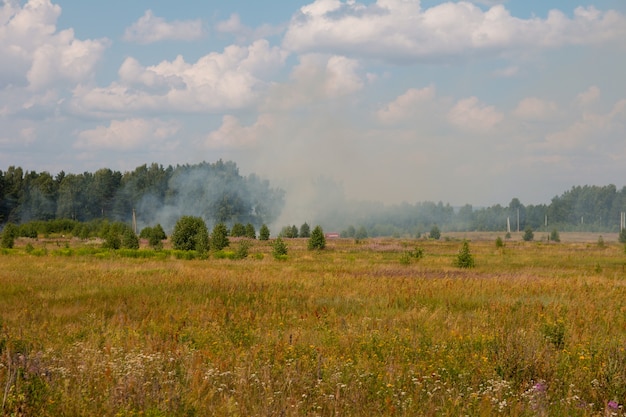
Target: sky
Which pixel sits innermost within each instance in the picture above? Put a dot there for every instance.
(465, 102)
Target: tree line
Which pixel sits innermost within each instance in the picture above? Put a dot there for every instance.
(217, 193)
(149, 194)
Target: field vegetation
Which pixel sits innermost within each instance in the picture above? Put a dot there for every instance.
(390, 327)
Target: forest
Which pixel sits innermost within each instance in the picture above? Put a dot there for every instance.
(154, 194)
(218, 193)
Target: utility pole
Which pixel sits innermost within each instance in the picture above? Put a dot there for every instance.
(134, 222)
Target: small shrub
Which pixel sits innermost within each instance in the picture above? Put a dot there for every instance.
(264, 233)
(29, 248)
(601, 244)
(317, 241)
(242, 250)
(279, 249)
(528, 234)
(499, 242)
(622, 236)
(435, 233)
(464, 258)
(9, 234)
(554, 236)
(219, 237)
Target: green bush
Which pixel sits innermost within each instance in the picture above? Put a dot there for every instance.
(554, 236)
(279, 248)
(219, 237)
(190, 233)
(264, 233)
(499, 242)
(464, 258)
(9, 234)
(317, 241)
(528, 234)
(435, 233)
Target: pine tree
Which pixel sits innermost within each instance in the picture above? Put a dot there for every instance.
(464, 258)
(219, 237)
(317, 241)
(264, 233)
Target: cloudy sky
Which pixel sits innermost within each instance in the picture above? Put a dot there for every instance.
(395, 100)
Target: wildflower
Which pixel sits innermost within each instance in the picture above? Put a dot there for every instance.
(612, 405)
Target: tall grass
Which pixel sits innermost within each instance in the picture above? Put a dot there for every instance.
(533, 329)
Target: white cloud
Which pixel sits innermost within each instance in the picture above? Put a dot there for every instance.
(231, 134)
(35, 54)
(588, 97)
(591, 131)
(234, 26)
(401, 31)
(127, 134)
(316, 78)
(507, 72)
(535, 109)
(406, 105)
(216, 82)
(150, 28)
(472, 115)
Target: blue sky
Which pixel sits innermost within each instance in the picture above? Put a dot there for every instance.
(394, 100)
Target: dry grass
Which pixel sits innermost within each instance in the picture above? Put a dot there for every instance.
(535, 329)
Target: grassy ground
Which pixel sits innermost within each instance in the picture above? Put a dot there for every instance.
(535, 329)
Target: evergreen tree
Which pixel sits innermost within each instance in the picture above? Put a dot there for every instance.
(279, 248)
(305, 230)
(317, 241)
(464, 258)
(250, 231)
(238, 230)
(219, 237)
(435, 233)
(129, 239)
(9, 234)
(528, 234)
(264, 233)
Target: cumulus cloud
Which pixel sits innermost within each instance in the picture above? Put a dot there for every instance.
(35, 54)
(401, 31)
(472, 115)
(216, 82)
(535, 109)
(316, 78)
(232, 135)
(234, 26)
(127, 134)
(588, 97)
(406, 105)
(591, 131)
(150, 28)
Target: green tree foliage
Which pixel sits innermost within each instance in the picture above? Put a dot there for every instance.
(264, 232)
(305, 230)
(317, 241)
(464, 258)
(554, 236)
(219, 237)
(155, 236)
(190, 233)
(9, 234)
(250, 231)
(499, 242)
(435, 233)
(361, 233)
(129, 239)
(238, 230)
(622, 236)
(279, 248)
(528, 234)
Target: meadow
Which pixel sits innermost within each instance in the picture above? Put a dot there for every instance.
(358, 329)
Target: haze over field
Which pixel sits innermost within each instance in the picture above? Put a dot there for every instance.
(394, 100)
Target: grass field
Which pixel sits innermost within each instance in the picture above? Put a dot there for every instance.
(535, 329)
